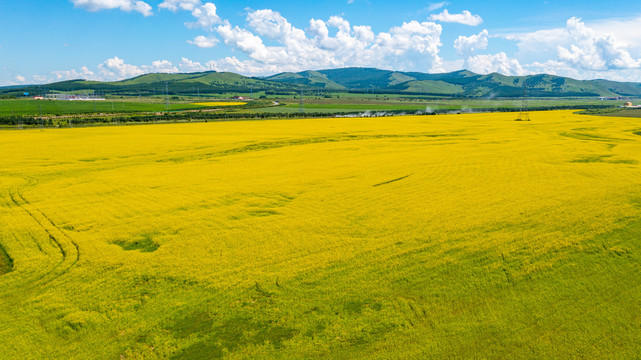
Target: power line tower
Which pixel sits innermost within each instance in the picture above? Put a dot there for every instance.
(524, 113)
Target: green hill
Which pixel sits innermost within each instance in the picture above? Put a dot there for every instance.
(307, 78)
(461, 83)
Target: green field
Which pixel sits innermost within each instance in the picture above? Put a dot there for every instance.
(342, 103)
(410, 237)
(347, 103)
(52, 107)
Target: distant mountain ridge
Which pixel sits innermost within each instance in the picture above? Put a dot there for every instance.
(457, 83)
(461, 83)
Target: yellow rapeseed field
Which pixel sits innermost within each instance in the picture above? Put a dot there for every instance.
(220, 103)
(451, 236)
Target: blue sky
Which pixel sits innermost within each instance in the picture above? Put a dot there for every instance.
(46, 41)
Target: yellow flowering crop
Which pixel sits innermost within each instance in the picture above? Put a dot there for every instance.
(400, 237)
(220, 103)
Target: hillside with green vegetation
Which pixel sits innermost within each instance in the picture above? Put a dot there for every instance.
(462, 83)
(210, 82)
(467, 83)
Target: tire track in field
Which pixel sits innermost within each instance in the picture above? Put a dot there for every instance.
(6, 262)
(67, 247)
(414, 314)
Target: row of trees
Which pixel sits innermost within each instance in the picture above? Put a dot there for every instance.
(229, 116)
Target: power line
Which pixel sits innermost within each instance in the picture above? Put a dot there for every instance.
(524, 113)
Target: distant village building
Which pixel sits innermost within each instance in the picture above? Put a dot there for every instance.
(69, 97)
(628, 105)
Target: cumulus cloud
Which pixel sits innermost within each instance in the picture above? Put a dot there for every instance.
(20, 78)
(124, 5)
(206, 16)
(620, 28)
(203, 41)
(501, 63)
(560, 68)
(84, 73)
(160, 66)
(466, 45)
(411, 46)
(465, 18)
(187, 65)
(592, 51)
(116, 69)
(576, 46)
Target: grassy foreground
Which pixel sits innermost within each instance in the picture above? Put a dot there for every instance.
(453, 236)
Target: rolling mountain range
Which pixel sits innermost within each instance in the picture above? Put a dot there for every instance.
(457, 84)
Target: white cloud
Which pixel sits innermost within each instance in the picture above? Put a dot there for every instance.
(578, 46)
(620, 28)
(203, 41)
(116, 69)
(411, 46)
(20, 78)
(63, 75)
(592, 51)
(436, 6)
(124, 5)
(553, 67)
(39, 79)
(187, 65)
(174, 5)
(272, 25)
(247, 67)
(559, 68)
(206, 17)
(501, 63)
(465, 18)
(466, 45)
(160, 66)
(539, 45)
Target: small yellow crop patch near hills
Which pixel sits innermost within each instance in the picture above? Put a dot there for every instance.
(410, 237)
(220, 103)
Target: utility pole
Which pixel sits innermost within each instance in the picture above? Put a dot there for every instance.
(302, 105)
